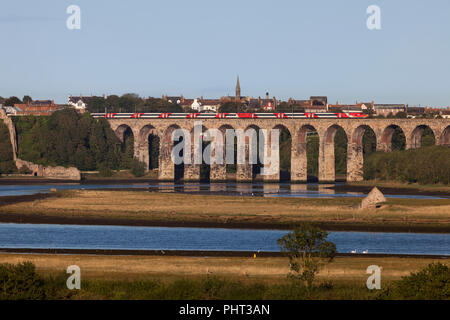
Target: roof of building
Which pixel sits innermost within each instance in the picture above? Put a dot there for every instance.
(210, 101)
(74, 99)
(42, 102)
(389, 106)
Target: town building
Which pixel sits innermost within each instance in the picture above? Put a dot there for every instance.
(79, 103)
(386, 109)
(205, 105)
(11, 111)
(36, 108)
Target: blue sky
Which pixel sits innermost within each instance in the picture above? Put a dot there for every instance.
(196, 48)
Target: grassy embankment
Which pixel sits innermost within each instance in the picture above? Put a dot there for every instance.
(146, 208)
(393, 185)
(143, 277)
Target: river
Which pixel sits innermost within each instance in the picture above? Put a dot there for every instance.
(41, 236)
(312, 190)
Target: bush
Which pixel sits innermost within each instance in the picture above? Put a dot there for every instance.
(138, 168)
(7, 167)
(20, 282)
(431, 283)
(104, 171)
(25, 170)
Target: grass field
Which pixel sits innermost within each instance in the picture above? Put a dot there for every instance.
(145, 208)
(150, 277)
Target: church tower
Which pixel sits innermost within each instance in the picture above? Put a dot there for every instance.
(238, 91)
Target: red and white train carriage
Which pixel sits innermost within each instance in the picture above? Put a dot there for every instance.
(305, 115)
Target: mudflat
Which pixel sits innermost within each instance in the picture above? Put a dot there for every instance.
(143, 208)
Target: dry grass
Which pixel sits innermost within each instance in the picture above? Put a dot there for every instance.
(270, 270)
(140, 205)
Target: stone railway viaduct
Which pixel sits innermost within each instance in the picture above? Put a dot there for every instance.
(298, 128)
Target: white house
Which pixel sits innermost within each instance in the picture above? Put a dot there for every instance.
(196, 105)
(79, 103)
(202, 105)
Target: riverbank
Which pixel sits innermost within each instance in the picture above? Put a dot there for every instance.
(395, 187)
(140, 208)
(200, 253)
(169, 277)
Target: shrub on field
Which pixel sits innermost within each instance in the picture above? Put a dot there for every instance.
(138, 168)
(431, 283)
(21, 282)
(104, 171)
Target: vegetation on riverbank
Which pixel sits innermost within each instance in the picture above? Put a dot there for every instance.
(430, 165)
(391, 186)
(131, 277)
(145, 208)
(67, 138)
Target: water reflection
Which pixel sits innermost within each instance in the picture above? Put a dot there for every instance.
(311, 190)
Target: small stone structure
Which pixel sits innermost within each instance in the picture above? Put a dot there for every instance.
(373, 199)
(59, 173)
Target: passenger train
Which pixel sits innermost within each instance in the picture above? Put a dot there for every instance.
(342, 115)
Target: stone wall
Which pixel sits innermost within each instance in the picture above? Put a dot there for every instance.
(12, 131)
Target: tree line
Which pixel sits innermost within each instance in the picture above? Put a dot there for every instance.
(67, 138)
(426, 165)
(131, 103)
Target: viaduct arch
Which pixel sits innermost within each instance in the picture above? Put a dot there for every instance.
(298, 128)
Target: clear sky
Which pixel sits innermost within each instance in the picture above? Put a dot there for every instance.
(196, 48)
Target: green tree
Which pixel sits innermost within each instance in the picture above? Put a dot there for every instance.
(340, 151)
(307, 250)
(68, 139)
(285, 151)
(11, 101)
(401, 115)
(96, 104)
(27, 99)
(127, 150)
(231, 107)
(112, 102)
(369, 142)
(398, 139)
(312, 153)
(130, 102)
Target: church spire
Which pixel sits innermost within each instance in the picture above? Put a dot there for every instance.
(238, 90)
